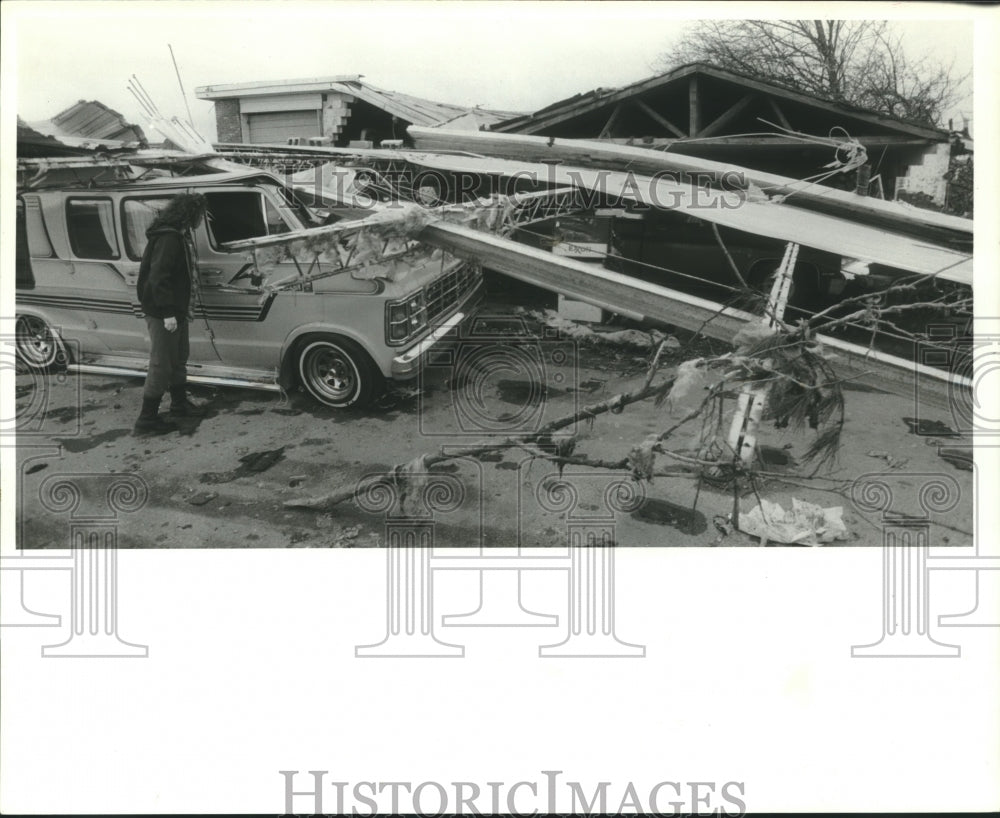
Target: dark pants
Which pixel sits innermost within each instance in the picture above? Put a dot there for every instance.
(167, 358)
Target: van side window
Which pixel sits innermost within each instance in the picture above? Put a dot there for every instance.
(234, 215)
(238, 215)
(39, 245)
(91, 226)
(24, 278)
(137, 216)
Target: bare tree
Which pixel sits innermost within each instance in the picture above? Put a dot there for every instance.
(859, 62)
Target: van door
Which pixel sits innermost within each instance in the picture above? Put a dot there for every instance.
(137, 214)
(234, 301)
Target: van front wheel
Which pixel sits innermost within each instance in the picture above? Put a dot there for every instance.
(37, 346)
(339, 373)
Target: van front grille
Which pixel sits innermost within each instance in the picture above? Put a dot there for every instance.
(442, 295)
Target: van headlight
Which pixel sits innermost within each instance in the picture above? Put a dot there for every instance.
(405, 318)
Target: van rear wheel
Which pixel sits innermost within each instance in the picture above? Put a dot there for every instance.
(37, 346)
(339, 373)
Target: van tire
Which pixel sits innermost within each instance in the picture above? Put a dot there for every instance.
(37, 346)
(337, 372)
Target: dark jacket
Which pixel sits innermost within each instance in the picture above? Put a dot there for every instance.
(164, 285)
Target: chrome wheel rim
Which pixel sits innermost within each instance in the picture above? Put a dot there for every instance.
(35, 342)
(330, 373)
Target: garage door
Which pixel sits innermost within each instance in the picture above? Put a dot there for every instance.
(277, 126)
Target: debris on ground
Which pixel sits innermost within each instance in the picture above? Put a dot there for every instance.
(253, 463)
(959, 457)
(346, 535)
(633, 338)
(774, 457)
(664, 512)
(923, 426)
(892, 462)
(804, 524)
(723, 525)
(202, 498)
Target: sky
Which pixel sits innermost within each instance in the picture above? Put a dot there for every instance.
(509, 56)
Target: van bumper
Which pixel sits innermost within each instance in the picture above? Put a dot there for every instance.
(407, 364)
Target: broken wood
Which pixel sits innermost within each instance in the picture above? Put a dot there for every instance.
(613, 404)
(753, 398)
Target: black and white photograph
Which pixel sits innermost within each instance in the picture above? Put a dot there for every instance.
(638, 359)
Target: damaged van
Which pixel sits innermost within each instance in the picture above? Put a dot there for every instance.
(340, 330)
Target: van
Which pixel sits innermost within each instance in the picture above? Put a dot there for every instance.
(340, 335)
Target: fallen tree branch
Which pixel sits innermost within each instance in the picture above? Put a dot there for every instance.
(613, 404)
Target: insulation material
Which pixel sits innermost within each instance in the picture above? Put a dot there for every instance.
(369, 248)
(804, 524)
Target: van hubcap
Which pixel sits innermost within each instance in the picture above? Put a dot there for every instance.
(331, 373)
(34, 341)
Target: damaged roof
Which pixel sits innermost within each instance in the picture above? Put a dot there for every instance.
(415, 110)
(598, 98)
(90, 121)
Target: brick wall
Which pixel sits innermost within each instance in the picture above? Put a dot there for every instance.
(227, 120)
(928, 175)
(336, 110)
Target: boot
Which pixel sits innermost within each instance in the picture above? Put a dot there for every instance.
(182, 406)
(150, 422)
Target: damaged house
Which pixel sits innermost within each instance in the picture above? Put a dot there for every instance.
(340, 111)
(709, 112)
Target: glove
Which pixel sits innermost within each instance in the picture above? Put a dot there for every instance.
(170, 324)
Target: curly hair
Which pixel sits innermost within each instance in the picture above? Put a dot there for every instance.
(184, 211)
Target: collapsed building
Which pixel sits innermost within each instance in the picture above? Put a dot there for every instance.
(663, 255)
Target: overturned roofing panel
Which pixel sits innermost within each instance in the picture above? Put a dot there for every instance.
(91, 121)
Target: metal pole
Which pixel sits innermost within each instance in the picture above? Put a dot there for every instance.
(181, 84)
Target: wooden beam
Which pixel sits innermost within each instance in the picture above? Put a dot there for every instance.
(656, 117)
(726, 116)
(694, 109)
(764, 87)
(531, 124)
(606, 130)
(782, 119)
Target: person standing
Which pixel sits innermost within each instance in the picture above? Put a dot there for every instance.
(165, 288)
